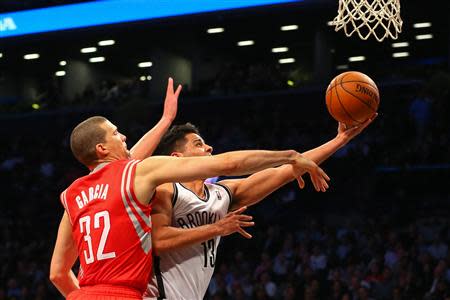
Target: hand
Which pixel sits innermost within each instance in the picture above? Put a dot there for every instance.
(349, 132)
(171, 101)
(318, 176)
(234, 221)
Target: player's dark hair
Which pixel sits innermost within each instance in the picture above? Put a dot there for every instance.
(175, 138)
(84, 137)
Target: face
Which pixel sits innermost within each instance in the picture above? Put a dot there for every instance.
(195, 146)
(115, 145)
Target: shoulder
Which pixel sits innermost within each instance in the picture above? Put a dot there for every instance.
(229, 184)
(165, 190)
(224, 186)
(164, 198)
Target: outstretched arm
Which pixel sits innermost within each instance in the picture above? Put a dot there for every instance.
(157, 170)
(251, 190)
(166, 237)
(64, 257)
(148, 143)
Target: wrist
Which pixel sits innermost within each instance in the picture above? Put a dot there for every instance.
(216, 229)
(341, 141)
(294, 156)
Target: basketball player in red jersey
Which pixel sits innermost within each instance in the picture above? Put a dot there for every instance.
(107, 213)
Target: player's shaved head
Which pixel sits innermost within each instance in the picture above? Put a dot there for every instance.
(175, 139)
(85, 136)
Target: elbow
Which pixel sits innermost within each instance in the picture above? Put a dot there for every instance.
(57, 274)
(55, 277)
(160, 247)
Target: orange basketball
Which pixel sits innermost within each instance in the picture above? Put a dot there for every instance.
(352, 98)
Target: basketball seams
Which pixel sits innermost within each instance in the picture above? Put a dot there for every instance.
(359, 81)
(353, 107)
(342, 106)
(361, 100)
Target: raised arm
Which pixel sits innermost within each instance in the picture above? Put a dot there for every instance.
(148, 143)
(166, 237)
(251, 190)
(64, 257)
(157, 170)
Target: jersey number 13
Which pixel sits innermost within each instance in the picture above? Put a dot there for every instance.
(208, 253)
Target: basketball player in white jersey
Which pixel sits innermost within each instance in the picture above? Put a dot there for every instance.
(190, 217)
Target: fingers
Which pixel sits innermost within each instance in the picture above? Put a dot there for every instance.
(245, 218)
(301, 182)
(246, 224)
(244, 233)
(178, 91)
(238, 211)
(324, 175)
(319, 180)
(235, 222)
(369, 120)
(170, 86)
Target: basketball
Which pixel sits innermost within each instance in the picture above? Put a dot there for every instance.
(352, 98)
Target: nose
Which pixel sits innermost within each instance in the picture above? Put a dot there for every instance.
(209, 149)
(124, 137)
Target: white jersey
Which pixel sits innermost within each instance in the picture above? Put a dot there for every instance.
(186, 273)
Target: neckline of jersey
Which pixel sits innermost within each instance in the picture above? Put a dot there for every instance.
(198, 197)
(98, 167)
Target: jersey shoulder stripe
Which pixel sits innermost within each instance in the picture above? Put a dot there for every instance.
(127, 199)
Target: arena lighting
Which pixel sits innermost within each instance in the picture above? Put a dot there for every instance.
(399, 45)
(94, 13)
(422, 25)
(215, 30)
(400, 54)
(286, 60)
(356, 58)
(342, 67)
(96, 59)
(149, 77)
(63, 63)
(142, 78)
(245, 43)
(31, 56)
(424, 36)
(1, 55)
(60, 73)
(106, 43)
(280, 49)
(88, 50)
(145, 64)
(289, 27)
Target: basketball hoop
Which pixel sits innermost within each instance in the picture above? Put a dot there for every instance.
(380, 18)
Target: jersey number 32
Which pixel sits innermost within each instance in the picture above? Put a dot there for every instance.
(85, 227)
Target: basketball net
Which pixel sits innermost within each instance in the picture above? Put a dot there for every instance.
(380, 18)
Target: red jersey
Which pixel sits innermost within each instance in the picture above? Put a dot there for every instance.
(112, 230)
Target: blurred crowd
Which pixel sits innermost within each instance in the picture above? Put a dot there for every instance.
(381, 232)
(348, 257)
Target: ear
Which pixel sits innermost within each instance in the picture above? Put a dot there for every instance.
(176, 154)
(101, 150)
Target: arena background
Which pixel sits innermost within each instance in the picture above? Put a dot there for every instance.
(380, 232)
